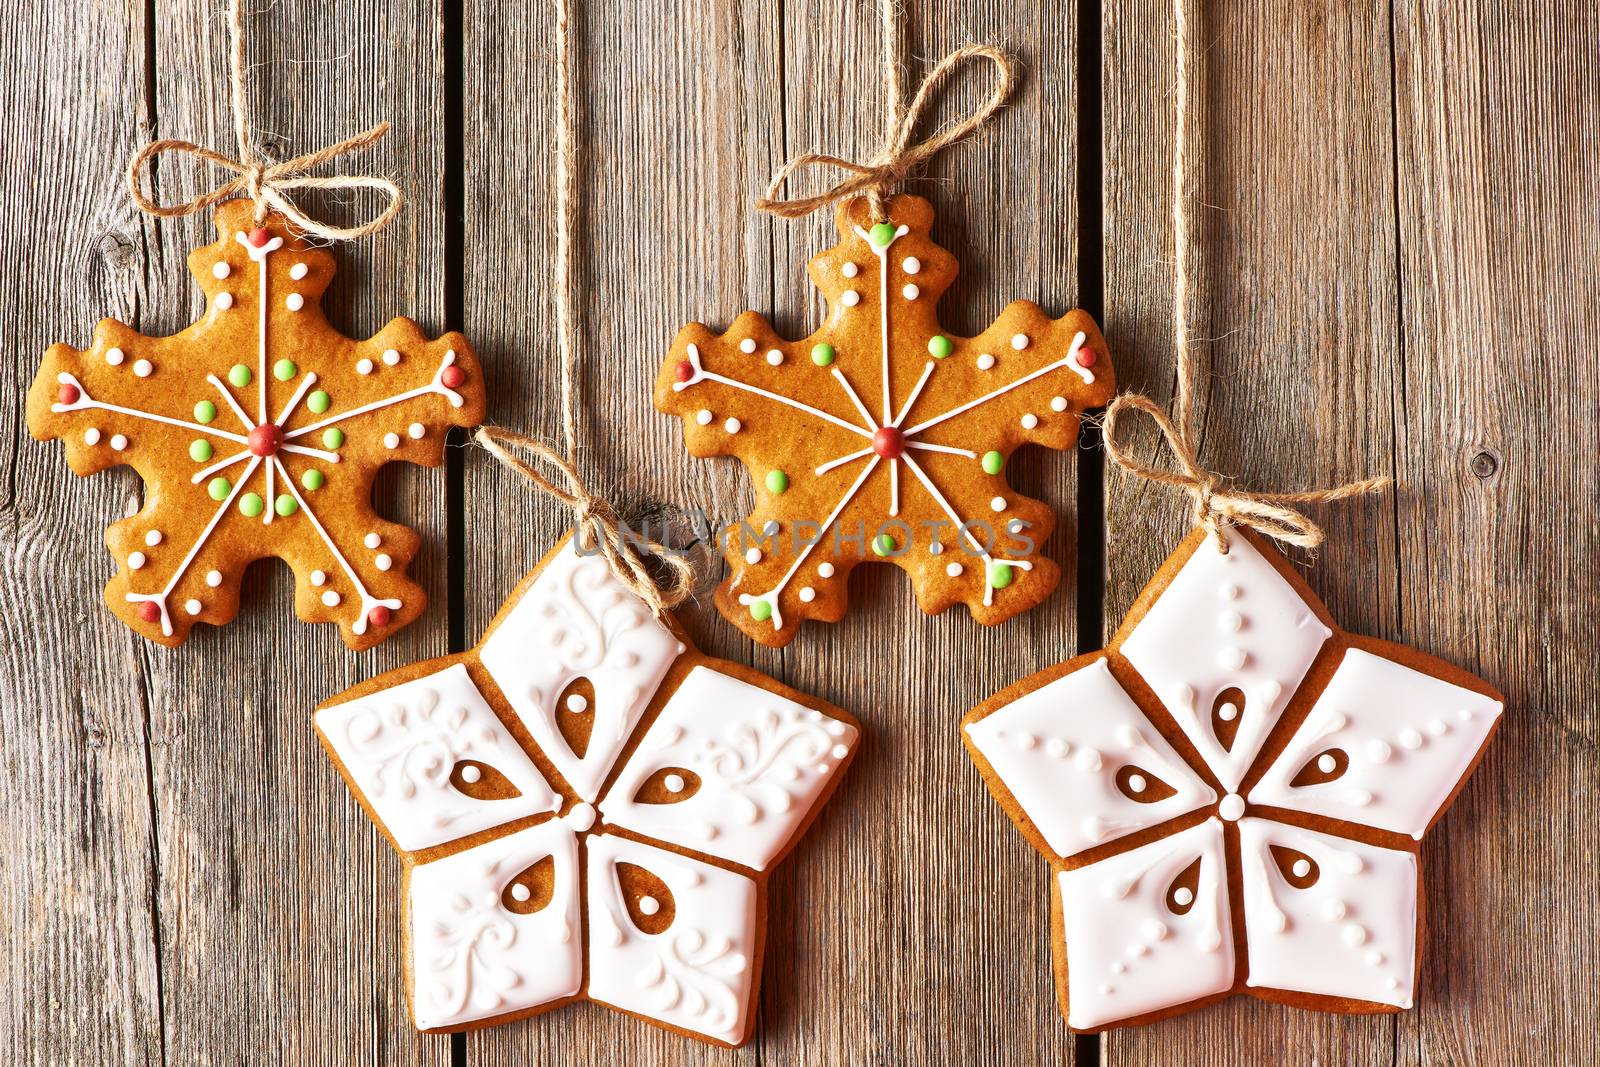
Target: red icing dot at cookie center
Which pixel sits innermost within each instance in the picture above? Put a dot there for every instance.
(379, 616)
(889, 442)
(452, 377)
(260, 236)
(266, 439)
(1086, 357)
(683, 371)
(68, 393)
(150, 611)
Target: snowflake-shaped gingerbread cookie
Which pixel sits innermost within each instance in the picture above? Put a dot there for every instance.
(882, 436)
(1232, 794)
(587, 808)
(258, 431)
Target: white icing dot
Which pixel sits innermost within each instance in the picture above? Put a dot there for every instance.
(331, 599)
(1029, 421)
(1137, 783)
(1301, 868)
(704, 417)
(774, 356)
(135, 560)
(1230, 622)
(1333, 909)
(1353, 934)
(1232, 807)
(91, 436)
(1409, 738)
(294, 302)
(771, 528)
(935, 548)
(1228, 592)
(1231, 658)
(1438, 727)
(193, 607)
(953, 569)
(317, 577)
(1107, 989)
(390, 357)
(1019, 341)
(1155, 930)
(733, 425)
(748, 345)
(519, 892)
(1088, 759)
(153, 538)
(1119, 968)
(753, 556)
(1393, 983)
(1378, 750)
(391, 440)
(1375, 958)
(1228, 712)
(372, 540)
(849, 270)
(364, 366)
(1138, 949)
(114, 356)
(1184, 896)
(298, 271)
(985, 361)
(220, 269)
(1057, 747)
(850, 299)
(1025, 741)
(118, 442)
(674, 783)
(224, 301)
(382, 561)
(649, 905)
(911, 292)
(911, 265)
(470, 774)
(838, 752)
(1058, 403)
(807, 594)
(825, 570)
(214, 578)
(417, 431)
(997, 504)
(577, 703)
(580, 818)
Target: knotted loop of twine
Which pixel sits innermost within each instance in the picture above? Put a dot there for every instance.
(596, 521)
(898, 157)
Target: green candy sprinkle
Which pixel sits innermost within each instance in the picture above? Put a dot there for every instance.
(312, 480)
(251, 505)
(882, 545)
(205, 411)
(993, 462)
(219, 488)
(822, 354)
(199, 451)
(318, 402)
(1000, 575)
(777, 481)
(239, 375)
(286, 505)
(332, 437)
(760, 610)
(284, 369)
(940, 346)
(882, 234)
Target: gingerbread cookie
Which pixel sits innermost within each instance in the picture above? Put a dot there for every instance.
(258, 431)
(881, 437)
(1231, 795)
(587, 808)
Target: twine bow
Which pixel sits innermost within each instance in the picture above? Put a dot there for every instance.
(264, 182)
(1216, 504)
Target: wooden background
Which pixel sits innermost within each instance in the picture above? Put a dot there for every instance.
(1401, 235)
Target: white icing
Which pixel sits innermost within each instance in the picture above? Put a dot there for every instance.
(1351, 934)
(1377, 711)
(400, 746)
(997, 504)
(1071, 799)
(471, 957)
(364, 366)
(578, 621)
(910, 292)
(135, 560)
(91, 436)
(1029, 421)
(774, 357)
(214, 578)
(294, 302)
(372, 540)
(391, 440)
(748, 345)
(985, 361)
(416, 431)
(732, 425)
(825, 570)
(695, 975)
(193, 607)
(704, 417)
(1129, 952)
(1188, 661)
(114, 356)
(760, 758)
(298, 271)
(224, 301)
(143, 368)
(331, 599)
(153, 538)
(220, 269)
(390, 357)
(1019, 341)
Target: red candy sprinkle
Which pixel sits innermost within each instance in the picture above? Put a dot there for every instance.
(266, 439)
(150, 611)
(260, 236)
(452, 377)
(1086, 357)
(889, 442)
(379, 616)
(683, 371)
(68, 393)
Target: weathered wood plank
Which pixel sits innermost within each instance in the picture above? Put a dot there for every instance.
(1295, 319)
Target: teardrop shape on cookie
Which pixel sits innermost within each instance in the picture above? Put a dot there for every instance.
(575, 715)
(1325, 766)
(1226, 713)
(532, 889)
(647, 898)
(480, 781)
(1139, 785)
(669, 785)
(1181, 890)
(1297, 868)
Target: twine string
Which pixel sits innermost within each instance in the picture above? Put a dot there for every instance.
(1217, 504)
(595, 520)
(267, 184)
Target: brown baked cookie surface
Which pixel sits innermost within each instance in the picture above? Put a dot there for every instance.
(587, 808)
(883, 437)
(258, 431)
(1231, 795)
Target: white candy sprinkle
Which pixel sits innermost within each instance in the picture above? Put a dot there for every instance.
(1058, 403)
(1228, 712)
(911, 264)
(997, 504)
(1231, 658)
(390, 357)
(519, 892)
(577, 703)
(807, 594)
(1029, 421)
(193, 607)
(704, 418)
(850, 299)
(364, 366)
(985, 361)
(953, 569)
(91, 436)
(1019, 341)
(1301, 868)
(224, 301)
(825, 570)
(748, 345)
(733, 426)
(294, 302)
(214, 578)
(1184, 896)
(382, 561)
(153, 538)
(317, 577)
(143, 368)
(470, 773)
(119, 442)
(220, 269)
(135, 560)
(911, 292)
(1326, 763)
(674, 783)
(1230, 621)
(753, 556)
(774, 356)
(331, 599)
(417, 431)
(372, 540)
(649, 905)
(1137, 783)
(391, 440)
(849, 270)
(298, 271)
(114, 356)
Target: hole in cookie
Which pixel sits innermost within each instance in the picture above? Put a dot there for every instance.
(1140, 785)
(481, 781)
(1180, 894)
(647, 898)
(1226, 712)
(1323, 767)
(669, 785)
(532, 890)
(1297, 868)
(575, 715)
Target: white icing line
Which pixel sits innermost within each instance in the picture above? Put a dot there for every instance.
(86, 402)
(219, 465)
(927, 372)
(989, 562)
(307, 450)
(854, 398)
(294, 401)
(842, 460)
(1068, 361)
(894, 487)
(883, 302)
(267, 512)
(194, 550)
(942, 448)
(700, 374)
(421, 390)
(368, 602)
(233, 404)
